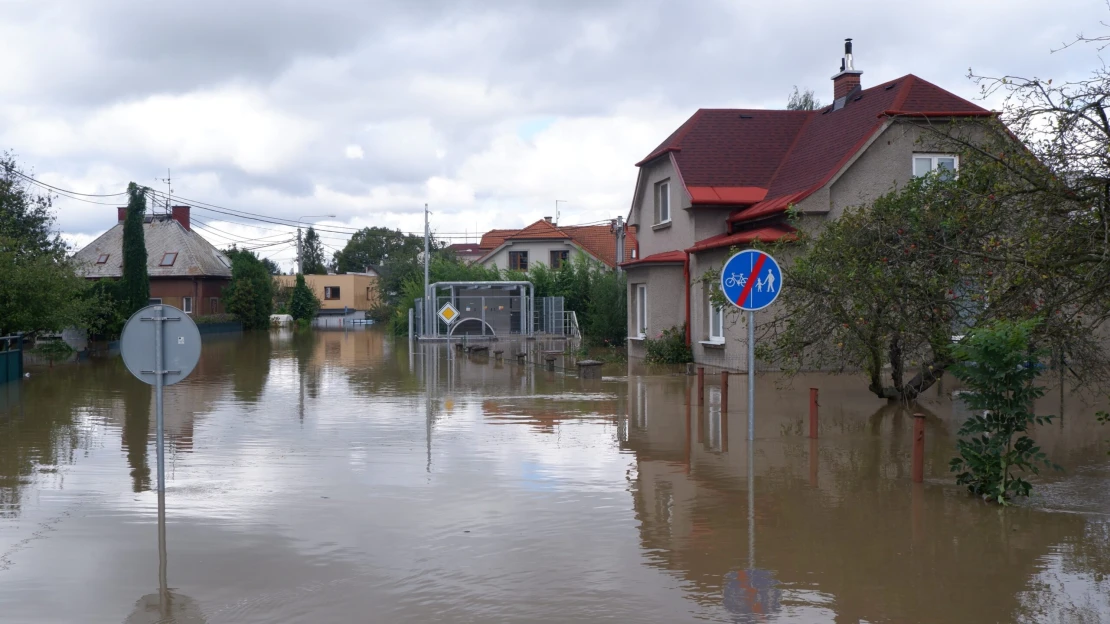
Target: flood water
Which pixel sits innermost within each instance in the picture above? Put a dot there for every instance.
(337, 477)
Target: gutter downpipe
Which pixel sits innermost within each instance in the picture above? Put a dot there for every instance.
(686, 278)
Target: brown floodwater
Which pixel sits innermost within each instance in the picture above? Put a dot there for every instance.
(337, 477)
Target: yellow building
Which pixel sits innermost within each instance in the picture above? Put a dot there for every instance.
(350, 291)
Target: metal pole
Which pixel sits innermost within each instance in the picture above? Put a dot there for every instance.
(159, 370)
(410, 330)
(751, 505)
(163, 584)
(300, 263)
(428, 311)
(751, 375)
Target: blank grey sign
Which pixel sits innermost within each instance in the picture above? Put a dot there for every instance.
(180, 344)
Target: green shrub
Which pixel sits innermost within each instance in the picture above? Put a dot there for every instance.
(250, 296)
(1000, 366)
(669, 347)
(303, 304)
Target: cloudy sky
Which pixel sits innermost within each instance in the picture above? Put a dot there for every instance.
(489, 111)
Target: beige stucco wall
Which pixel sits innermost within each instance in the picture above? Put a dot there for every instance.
(666, 303)
(356, 292)
(538, 252)
(679, 233)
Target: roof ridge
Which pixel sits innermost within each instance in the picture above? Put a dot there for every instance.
(790, 150)
(903, 92)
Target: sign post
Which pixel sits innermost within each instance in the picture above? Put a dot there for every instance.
(160, 355)
(751, 280)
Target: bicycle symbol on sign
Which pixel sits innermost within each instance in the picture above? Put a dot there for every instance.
(736, 280)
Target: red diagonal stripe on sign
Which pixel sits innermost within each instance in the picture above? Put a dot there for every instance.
(751, 282)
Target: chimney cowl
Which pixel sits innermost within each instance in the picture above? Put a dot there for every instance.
(848, 79)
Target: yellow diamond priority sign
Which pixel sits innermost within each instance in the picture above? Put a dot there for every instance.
(448, 313)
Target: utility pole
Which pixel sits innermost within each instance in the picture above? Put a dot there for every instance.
(618, 230)
(428, 305)
(169, 189)
(300, 262)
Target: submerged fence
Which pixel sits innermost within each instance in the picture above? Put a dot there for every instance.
(499, 315)
(11, 358)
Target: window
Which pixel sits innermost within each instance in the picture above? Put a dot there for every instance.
(558, 258)
(168, 258)
(187, 305)
(331, 293)
(103, 259)
(154, 301)
(214, 305)
(663, 202)
(369, 293)
(641, 310)
(925, 163)
(518, 260)
(716, 323)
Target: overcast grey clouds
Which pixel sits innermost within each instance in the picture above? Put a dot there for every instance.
(490, 111)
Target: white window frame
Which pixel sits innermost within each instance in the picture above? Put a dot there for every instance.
(662, 201)
(187, 305)
(641, 310)
(933, 162)
(716, 324)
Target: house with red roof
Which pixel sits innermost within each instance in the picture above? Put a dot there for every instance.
(726, 177)
(547, 243)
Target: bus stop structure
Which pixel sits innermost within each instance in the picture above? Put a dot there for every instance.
(488, 310)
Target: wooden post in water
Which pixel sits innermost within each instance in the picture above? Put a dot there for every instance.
(918, 448)
(813, 413)
(701, 386)
(724, 393)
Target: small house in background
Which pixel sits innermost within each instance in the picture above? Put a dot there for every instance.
(345, 297)
(545, 242)
(467, 252)
(186, 271)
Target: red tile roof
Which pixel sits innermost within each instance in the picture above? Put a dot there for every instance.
(598, 240)
(741, 154)
(542, 229)
(494, 238)
(767, 234)
(465, 248)
(666, 257)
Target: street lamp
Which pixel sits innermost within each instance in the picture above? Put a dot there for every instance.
(300, 263)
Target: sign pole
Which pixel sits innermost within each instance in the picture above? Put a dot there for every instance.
(159, 369)
(751, 375)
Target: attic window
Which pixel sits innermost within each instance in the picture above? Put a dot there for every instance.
(857, 98)
(168, 258)
(742, 116)
(103, 259)
(890, 86)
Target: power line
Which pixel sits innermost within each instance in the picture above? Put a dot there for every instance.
(61, 190)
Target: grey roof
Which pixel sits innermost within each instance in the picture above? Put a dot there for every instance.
(196, 257)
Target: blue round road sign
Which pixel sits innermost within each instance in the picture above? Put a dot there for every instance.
(751, 280)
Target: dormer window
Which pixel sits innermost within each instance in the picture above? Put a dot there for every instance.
(103, 259)
(168, 259)
(663, 202)
(923, 164)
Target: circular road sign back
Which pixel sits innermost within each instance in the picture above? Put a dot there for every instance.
(180, 344)
(751, 280)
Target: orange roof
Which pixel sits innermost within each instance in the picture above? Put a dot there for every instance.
(494, 238)
(666, 257)
(767, 234)
(597, 240)
(542, 229)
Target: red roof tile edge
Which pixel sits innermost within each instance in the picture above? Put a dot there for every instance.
(769, 234)
(665, 257)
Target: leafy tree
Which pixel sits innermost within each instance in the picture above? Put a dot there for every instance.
(1000, 366)
(102, 314)
(376, 246)
(605, 321)
(135, 289)
(312, 254)
(271, 267)
(250, 296)
(802, 100)
(303, 304)
(39, 289)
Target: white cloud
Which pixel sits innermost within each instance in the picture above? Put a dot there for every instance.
(354, 152)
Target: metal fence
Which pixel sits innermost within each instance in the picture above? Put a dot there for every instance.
(499, 315)
(11, 358)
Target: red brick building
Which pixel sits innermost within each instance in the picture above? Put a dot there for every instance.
(185, 270)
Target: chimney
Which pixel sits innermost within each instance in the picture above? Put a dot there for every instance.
(122, 213)
(847, 81)
(181, 215)
(548, 219)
